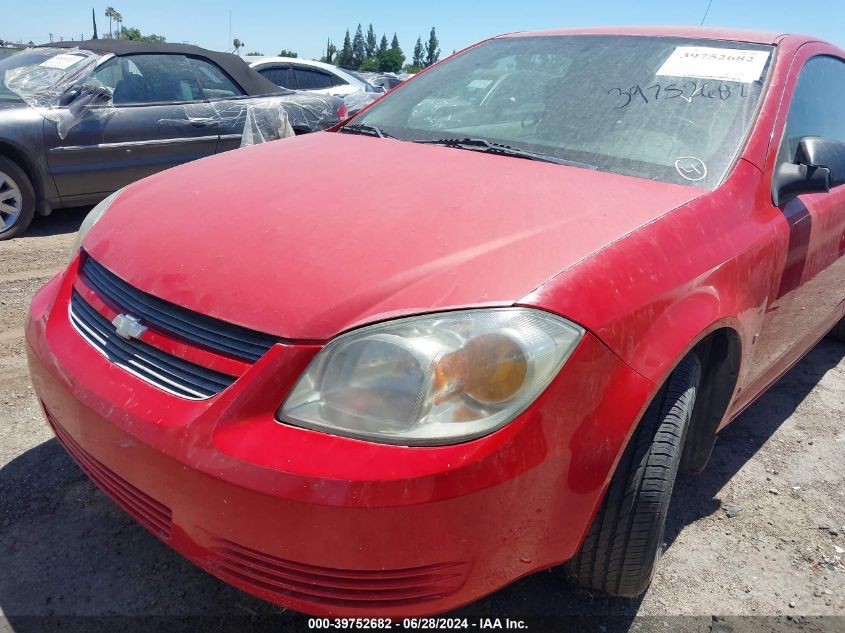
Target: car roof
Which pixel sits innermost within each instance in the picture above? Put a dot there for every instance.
(303, 62)
(253, 83)
(691, 32)
(292, 60)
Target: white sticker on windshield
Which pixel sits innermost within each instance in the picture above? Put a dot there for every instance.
(722, 64)
(62, 61)
(479, 84)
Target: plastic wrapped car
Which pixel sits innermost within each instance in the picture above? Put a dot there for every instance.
(80, 120)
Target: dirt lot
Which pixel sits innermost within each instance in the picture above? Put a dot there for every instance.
(66, 549)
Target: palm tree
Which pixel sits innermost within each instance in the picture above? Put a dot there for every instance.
(118, 18)
(110, 12)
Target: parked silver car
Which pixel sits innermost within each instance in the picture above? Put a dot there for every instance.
(314, 77)
(81, 120)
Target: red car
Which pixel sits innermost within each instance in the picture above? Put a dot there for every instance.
(590, 251)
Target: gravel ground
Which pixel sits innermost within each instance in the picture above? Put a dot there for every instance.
(760, 533)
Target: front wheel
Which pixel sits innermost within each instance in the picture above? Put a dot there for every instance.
(17, 199)
(620, 552)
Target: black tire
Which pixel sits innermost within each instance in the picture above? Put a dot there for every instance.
(620, 552)
(838, 331)
(9, 170)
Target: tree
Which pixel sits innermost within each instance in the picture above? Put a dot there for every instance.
(432, 49)
(331, 49)
(110, 14)
(238, 46)
(118, 18)
(418, 54)
(94, 20)
(369, 65)
(390, 61)
(255, 54)
(286, 53)
(135, 35)
(345, 58)
(382, 46)
(371, 43)
(394, 45)
(411, 69)
(358, 48)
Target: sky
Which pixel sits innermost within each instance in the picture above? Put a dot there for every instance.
(267, 26)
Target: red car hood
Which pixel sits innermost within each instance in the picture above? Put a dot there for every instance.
(306, 237)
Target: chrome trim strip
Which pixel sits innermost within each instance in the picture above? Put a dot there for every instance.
(159, 141)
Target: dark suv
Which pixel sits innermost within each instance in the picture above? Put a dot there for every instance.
(81, 120)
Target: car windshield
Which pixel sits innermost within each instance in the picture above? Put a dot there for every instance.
(42, 73)
(29, 57)
(669, 109)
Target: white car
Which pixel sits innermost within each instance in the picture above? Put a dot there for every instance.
(301, 74)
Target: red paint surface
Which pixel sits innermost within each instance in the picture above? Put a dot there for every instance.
(287, 238)
(295, 257)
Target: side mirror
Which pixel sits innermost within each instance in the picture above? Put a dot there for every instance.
(819, 167)
(69, 96)
(90, 92)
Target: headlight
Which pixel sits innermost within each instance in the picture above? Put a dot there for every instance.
(90, 220)
(434, 379)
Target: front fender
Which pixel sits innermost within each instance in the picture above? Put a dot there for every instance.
(651, 296)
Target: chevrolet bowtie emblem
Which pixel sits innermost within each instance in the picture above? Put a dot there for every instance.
(128, 326)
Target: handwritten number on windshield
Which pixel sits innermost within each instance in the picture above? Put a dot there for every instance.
(687, 91)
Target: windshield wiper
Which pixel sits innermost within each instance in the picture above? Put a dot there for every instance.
(366, 130)
(483, 145)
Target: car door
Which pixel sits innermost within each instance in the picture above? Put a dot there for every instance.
(159, 117)
(808, 297)
(227, 99)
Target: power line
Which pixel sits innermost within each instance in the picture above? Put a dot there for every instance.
(706, 11)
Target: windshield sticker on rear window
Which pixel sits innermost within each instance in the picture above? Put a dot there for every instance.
(723, 64)
(62, 61)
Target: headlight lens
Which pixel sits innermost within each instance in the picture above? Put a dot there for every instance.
(434, 379)
(90, 220)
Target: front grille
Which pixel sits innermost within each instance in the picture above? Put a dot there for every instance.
(191, 326)
(154, 516)
(363, 588)
(167, 372)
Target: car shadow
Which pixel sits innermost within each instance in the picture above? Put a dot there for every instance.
(60, 222)
(67, 550)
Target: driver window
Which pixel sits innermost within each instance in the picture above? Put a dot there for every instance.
(142, 79)
(816, 108)
(215, 84)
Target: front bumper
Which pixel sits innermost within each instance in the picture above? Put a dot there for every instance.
(329, 525)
